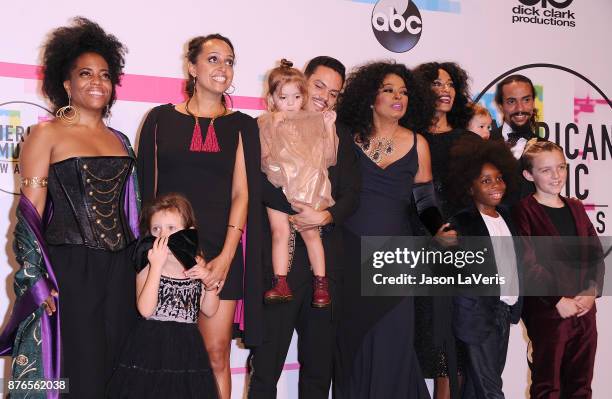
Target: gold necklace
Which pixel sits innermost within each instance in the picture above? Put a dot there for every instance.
(197, 116)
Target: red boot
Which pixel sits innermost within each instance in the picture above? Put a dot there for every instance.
(280, 293)
(320, 292)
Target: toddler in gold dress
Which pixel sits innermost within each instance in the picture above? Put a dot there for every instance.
(297, 147)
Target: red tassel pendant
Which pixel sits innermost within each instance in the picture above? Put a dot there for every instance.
(211, 144)
(196, 138)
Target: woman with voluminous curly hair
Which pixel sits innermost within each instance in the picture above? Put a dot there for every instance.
(78, 175)
(448, 84)
(436, 348)
(385, 107)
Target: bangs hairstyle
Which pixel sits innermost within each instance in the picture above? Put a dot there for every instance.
(479, 110)
(66, 44)
(535, 147)
(168, 202)
(282, 75)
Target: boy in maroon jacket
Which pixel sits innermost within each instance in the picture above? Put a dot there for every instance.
(562, 329)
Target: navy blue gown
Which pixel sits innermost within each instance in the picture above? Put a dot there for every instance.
(376, 356)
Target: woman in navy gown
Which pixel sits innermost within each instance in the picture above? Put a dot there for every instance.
(384, 107)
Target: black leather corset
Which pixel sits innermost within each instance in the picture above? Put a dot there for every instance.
(88, 196)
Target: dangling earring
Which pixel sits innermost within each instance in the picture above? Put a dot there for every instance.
(231, 87)
(195, 86)
(107, 113)
(68, 114)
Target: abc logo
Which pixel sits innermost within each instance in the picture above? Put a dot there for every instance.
(396, 24)
(554, 3)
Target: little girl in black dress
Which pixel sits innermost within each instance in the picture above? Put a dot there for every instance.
(164, 357)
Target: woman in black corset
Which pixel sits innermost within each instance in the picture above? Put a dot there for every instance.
(204, 150)
(80, 174)
(385, 108)
(439, 353)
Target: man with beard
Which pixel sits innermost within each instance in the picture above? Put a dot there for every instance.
(316, 327)
(515, 96)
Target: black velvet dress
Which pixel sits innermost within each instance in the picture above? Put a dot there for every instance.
(376, 334)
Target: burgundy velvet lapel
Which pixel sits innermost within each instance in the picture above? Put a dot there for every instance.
(545, 226)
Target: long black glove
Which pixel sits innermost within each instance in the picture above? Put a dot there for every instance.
(427, 206)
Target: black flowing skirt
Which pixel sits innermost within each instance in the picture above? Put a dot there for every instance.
(164, 359)
(97, 313)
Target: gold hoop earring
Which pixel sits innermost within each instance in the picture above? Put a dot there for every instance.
(68, 114)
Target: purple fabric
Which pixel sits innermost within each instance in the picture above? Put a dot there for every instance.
(27, 304)
(130, 201)
(50, 325)
(131, 206)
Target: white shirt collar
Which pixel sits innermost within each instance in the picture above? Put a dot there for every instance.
(519, 147)
(506, 130)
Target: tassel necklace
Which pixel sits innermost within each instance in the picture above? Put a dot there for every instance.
(210, 144)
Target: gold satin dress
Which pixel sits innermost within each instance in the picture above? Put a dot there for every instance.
(296, 150)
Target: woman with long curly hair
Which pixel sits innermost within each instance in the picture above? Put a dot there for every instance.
(449, 85)
(440, 355)
(384, 107)
(77, 216)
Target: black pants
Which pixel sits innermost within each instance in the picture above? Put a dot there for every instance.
(316, 333)
(97, 312)
(487, 359)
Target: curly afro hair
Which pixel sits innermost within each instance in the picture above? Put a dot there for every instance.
(467, 157)
(66, 44)
(460, 114)
(362, 88)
